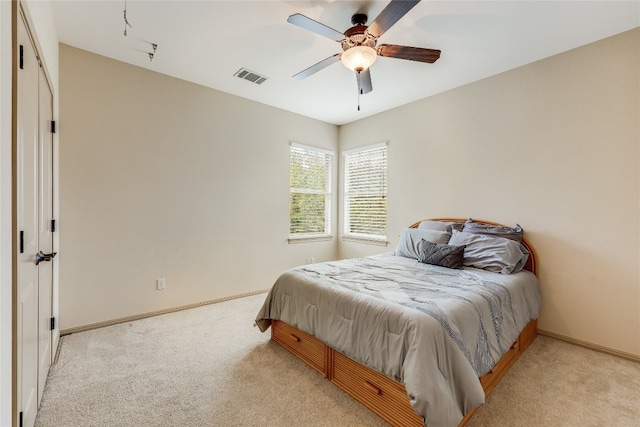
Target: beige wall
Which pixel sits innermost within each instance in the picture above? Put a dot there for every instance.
(161, 178)
(553, 146)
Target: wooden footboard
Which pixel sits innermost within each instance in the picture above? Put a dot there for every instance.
(385, 397)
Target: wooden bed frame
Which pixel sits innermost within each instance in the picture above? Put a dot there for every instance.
(385, 397)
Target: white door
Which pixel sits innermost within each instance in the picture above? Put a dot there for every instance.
(27, 227)
(34, 209)
(45, 239)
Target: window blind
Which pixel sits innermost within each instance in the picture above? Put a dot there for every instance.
(366, 192)
(310, 190)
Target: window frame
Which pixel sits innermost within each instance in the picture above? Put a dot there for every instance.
(362, 237)
(328, 195)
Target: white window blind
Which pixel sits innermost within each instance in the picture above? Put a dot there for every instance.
(365, 193)
(310, 191)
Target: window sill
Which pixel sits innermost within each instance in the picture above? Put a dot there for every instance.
(309, 238)
(366, 240)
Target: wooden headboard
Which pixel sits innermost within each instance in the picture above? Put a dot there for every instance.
(531, 262)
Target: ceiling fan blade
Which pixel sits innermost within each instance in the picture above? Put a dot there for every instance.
(317, 67)
(408, 52)
(364, 81)
(391, 14)
(318, 28)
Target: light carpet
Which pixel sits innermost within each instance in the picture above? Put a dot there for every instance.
(209, 366)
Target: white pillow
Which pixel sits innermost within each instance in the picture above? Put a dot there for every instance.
(410, 238)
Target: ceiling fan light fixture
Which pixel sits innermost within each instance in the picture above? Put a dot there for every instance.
(359, 58)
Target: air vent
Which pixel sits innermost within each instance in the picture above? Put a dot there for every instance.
(245, 74)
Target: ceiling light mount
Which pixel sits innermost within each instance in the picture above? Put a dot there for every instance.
(359, 19)
(154, 46)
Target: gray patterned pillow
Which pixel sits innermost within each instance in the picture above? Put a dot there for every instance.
(440, 254)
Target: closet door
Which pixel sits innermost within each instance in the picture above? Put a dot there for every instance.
(45, 239)
(34, 213)
(27, 227)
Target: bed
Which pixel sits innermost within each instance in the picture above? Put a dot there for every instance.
(419, 336)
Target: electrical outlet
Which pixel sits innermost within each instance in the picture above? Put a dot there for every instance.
(310, 260)
(160, 284)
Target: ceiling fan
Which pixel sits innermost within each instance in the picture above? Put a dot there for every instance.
(359, 43)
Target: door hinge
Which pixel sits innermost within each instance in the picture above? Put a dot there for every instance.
(53, 323)
(21, 241)
(53, 225)
(21, 418)
(53, 126)
(21, 57)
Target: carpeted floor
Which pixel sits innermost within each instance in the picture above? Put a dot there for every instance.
(210, 367)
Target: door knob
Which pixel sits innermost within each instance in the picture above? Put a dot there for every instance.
(41, 256)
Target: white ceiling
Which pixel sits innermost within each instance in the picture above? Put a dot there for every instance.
(206, 42)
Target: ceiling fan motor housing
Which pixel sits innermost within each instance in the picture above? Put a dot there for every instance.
(357, 35)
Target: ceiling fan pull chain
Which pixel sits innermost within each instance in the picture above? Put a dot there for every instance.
(359, 78)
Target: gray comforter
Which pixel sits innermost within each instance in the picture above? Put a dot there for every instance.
(434, 329)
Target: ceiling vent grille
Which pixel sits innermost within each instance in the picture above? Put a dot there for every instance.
(245, 74)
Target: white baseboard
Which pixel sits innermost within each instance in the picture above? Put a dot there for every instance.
(155, 313)
(585, 344)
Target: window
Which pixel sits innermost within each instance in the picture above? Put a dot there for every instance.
(310, 192)
(365, 193)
